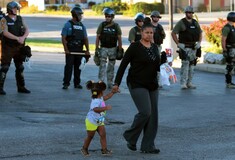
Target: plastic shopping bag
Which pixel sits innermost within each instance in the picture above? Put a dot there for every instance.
(167, 75)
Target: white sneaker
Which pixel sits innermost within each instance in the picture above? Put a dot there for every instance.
(183, 86)
(230, 85)
(190, 85)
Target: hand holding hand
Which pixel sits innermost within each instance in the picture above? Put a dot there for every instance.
(115, 89)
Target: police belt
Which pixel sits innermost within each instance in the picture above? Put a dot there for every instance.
(189, 45)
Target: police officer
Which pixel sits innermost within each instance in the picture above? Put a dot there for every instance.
(189, 42)
(135, 32)
(74, 37)
(1, 16)
(108, 34)
(159, 33)
(228, 45)
(14, 34)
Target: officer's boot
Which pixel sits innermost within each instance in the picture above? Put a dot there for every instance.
(20, 83)
(2, 80)
(229, 83)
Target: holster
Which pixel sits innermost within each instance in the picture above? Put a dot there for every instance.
(227, 56)
(199, 52)
(182, 54)
(194, 62)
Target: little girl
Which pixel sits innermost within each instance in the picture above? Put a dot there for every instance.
(96, 116)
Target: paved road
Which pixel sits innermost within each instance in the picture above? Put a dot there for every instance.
(45, 26)
(48, 124)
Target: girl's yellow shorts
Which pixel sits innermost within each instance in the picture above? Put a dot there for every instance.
(90, 126)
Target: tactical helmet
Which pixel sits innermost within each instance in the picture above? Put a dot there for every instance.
(76, 10)
(11, 5)
(155, 14)
(108, 11)
(188, 9)
(231, 16)
(139, 17)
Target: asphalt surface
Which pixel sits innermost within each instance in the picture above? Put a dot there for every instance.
(48, 124)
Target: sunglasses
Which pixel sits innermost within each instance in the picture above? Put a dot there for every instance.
(108, 16)
(190, 12)
(140, 21)
(156, 16)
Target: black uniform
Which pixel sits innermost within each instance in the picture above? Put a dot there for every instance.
(75, 42)
(12, 49)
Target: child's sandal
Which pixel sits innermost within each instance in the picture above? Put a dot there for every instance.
(106, 152)
(84, 151)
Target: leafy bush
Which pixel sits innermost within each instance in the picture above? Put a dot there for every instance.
(202, 8)
(51, 8)
(117, 6)
(147, 8)
(121, 8)
(213, 32)
(157, 6)
(30, 9)
(90, 4)
(64, 8)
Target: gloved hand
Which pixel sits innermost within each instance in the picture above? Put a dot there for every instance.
(181, 46)
(96, 57)
(197, 45)
(120, 53)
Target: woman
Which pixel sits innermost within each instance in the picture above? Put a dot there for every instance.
(144, 60)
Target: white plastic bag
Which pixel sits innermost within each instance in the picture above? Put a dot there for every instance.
(167, 75)
(83, 63)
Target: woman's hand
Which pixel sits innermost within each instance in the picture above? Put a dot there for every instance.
(115, 89)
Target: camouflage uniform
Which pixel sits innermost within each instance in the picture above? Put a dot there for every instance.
(188, 41)
(110, 55)
(108, 34)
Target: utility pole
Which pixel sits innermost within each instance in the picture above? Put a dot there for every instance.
(171, 14)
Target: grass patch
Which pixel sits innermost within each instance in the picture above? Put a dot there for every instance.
(49, 43)
(44, 42)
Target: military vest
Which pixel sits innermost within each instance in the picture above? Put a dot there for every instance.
(75, 41)
(158, 35)
(231, 36)
(191, 34)
(137, 33)
(14, 27)
(108, 36)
